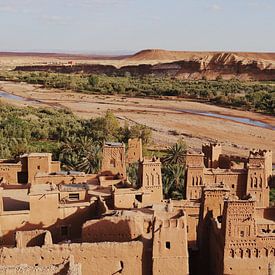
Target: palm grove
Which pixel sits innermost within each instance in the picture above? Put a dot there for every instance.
(77, 142)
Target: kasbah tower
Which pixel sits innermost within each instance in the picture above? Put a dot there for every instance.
(55, 222)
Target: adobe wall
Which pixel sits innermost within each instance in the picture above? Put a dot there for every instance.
(38, 164)
(197, 177)
(150, 178)
(55, 166)
(66, 268)
(252, 258)
(192, 211)
(46, 213)
(32, 238)
(170, 255)
(10, 221)
(95, 258)
(113, 160)
(117, 229)
(9, 172)
(59, 179)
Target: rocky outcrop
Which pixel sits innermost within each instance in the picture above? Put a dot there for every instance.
(210, 66)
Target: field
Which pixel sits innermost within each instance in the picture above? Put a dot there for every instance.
(169, 119)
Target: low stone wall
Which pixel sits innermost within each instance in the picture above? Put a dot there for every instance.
(33, 238)
(95, 258)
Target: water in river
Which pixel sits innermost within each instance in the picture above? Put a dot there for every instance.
(16, 97)
(247, 121)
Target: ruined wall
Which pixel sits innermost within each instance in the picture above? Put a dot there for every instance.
(96, 259)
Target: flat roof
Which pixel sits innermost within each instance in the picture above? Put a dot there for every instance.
(115, 144)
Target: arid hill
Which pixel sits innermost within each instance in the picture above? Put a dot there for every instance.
(178, 64)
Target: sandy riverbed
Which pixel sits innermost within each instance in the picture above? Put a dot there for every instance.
(163, 116)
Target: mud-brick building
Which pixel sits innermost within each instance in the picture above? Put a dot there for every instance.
(242, 176)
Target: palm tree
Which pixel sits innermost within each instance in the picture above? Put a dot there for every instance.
(90, 160)
(176, 153)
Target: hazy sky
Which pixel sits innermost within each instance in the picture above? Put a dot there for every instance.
(130, 25)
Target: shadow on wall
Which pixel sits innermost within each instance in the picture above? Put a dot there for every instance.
(69, 228)
(11, 204)
(122, 231)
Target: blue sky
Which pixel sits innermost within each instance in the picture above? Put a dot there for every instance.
(131, 25)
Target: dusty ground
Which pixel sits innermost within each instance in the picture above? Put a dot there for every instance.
(163, 116)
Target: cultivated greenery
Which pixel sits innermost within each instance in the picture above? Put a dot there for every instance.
(255, 96)
(76, 142)
(173, 171)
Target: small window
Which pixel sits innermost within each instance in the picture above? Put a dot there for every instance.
(74, 196)
(168, 245)
(233, 186)
(112, 163)
(38, 167)
(138, 198)
(241, 233)
(64, 230)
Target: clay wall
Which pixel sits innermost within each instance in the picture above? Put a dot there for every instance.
(192, 212)
(150, 178)
(68, 267)
(257, 186)
(55, 166)
(249, 258)
(59, 179)
(32, 238)
(117, 229)
(170, 255)
(113, 160)
(9, 172)
(194, 183)
(10, 222)
(38, 164)
(126, 199)
(212, 153)
(97, 258)
(194, 160)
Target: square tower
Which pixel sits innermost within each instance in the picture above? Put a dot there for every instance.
(113, 159)
(150, 178)
(134, 152)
